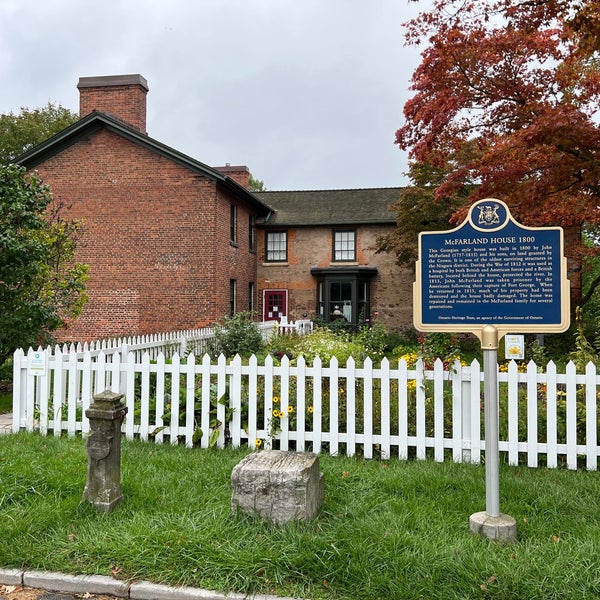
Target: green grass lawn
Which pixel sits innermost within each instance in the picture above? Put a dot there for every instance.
(388, 531)
(6, 401)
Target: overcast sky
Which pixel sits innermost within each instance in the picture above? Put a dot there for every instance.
(307, 93)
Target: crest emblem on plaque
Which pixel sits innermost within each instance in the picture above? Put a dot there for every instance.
(488, 214)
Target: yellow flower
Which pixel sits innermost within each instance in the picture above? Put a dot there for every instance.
(410, 358)
(275, 412)
(275, 399)
(290, 409)
(257, 443)
(341, 391)
(310, 410)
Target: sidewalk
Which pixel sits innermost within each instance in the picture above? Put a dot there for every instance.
(5, 423)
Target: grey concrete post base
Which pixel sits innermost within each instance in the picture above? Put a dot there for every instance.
(502, 528)
(103, 485)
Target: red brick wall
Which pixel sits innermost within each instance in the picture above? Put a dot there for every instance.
(233, 260)
(156, 239)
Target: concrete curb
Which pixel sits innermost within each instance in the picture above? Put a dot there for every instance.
(11, 577)
(100, 584)
(61, 582)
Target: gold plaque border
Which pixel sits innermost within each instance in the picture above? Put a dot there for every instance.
(502, 328)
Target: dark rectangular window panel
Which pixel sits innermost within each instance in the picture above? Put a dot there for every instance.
(232, 297)
(233, 223)
(252, 233)
(251, 294)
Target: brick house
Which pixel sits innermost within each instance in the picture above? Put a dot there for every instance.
(172, 243)
(318, 257)
(167, 238)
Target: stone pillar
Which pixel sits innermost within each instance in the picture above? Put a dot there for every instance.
(103, 486)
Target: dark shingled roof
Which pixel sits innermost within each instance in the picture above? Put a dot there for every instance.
(330, 207)
(97, 120)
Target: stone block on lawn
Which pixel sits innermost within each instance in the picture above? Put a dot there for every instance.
(279, 486)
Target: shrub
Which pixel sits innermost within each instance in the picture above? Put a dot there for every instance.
(439, 345)
(280, 345)
(337, 326)
(374, 339)
(6, 370)
(325, 343)
(236, 335)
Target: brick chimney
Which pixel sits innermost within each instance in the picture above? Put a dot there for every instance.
(122, 97)
(240, 174)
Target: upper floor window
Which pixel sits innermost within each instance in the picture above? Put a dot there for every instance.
(233, 223)
(276, 246)
(252, 233)
(344, 246)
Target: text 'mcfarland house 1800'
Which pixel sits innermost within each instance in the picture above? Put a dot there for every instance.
(174, 244)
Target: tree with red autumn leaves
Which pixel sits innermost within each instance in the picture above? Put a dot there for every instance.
(505, 105)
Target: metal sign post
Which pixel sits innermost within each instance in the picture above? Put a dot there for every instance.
(491, 276)
(491, 418)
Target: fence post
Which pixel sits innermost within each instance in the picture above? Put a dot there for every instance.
(124, 352)
(19, 390)
(591, 421)
(465, 393)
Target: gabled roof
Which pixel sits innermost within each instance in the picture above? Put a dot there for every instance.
(98, 120)
(330, 207)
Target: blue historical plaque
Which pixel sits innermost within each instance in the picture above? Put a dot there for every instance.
(492, 270)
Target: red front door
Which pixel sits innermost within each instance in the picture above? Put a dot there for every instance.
(274, 305)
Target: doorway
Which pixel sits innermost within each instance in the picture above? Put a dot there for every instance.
(274, 305)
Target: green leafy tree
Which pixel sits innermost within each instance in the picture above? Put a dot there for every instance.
(41, 286)
(19, 132)
(256, 185)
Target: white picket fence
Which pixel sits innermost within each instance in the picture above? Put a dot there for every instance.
(390, 410)
(169, 343)
(182, 342)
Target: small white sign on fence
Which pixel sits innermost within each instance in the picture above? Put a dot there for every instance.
(514, 347)
(37, 363)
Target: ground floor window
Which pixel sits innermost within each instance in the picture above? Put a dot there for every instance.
(344, 294)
